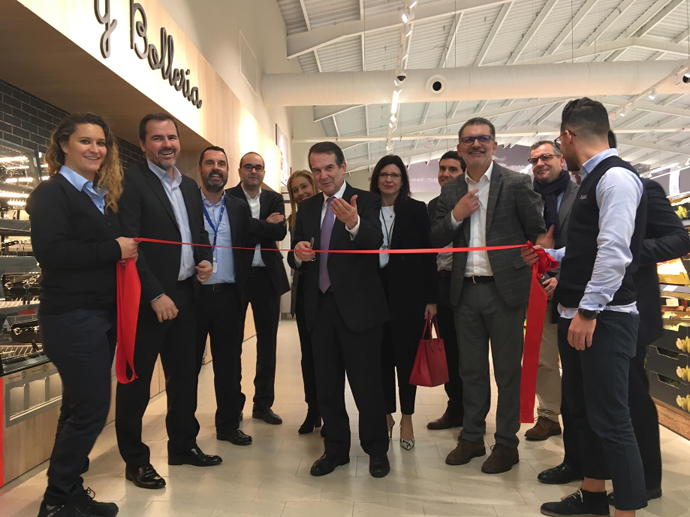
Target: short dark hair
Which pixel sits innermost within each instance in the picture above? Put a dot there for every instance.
(613, 143)
(535, 145)
(247, 154)
(478, 121)
(391, 159)
(160, 117)
(212, 148)
(327, 148)
(586, 117)
(454, 155)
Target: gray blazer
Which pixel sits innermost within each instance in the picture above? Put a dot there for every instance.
(514, 216)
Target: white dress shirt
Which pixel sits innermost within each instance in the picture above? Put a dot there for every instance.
(478, 261)
(172, 190)
(387, 218)
(255, 206)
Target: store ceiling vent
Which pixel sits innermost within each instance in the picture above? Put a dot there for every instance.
(248, 64)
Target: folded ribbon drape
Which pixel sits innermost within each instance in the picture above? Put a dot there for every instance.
(128, 296)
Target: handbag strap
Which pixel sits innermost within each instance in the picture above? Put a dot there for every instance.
(434, 322)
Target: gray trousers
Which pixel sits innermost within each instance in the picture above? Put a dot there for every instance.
(482, 316)
(549, 374)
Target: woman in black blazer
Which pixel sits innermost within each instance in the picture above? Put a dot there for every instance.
(410, 284)
(301, 186)
(77, 241)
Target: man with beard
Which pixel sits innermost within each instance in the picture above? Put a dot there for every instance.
(558, 192)
(158, 202)
(220, 310)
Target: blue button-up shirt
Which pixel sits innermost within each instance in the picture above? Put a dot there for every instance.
(223, 257)
(172, 190)
(79, 182)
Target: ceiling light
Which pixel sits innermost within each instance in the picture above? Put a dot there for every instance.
(9, 159)
(407, 16)
(652, 95)
(409, 31)
(622, 113)
(394, 119)
(44, 178)
(394, 104)
(413, 4)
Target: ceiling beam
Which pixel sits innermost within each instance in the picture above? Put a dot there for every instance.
(536, 25)
(451, 39)
(567, 32)
(609, 46)
(603, 27)
(498, 22)
(324, 112)
(304, 13)
(303, 42)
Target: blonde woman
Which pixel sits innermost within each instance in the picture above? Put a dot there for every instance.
(301, 186)
(77, 241)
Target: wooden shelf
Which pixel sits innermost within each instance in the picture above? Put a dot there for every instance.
(674, 419)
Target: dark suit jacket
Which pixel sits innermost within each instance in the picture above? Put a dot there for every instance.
(514, 216)
(354, 278)
(665, 239)
(566, 207)
(433, 204)
(266, 234)
(146, 211)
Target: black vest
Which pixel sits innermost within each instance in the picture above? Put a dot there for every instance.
(581, 244)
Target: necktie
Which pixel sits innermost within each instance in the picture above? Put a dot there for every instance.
(326, 231)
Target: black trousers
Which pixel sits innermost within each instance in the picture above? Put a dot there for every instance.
(308, 370)
(219, 313)
(81, 344)
(595, 387)
(265, 301)
(645, 420)
(446, 326)
(337, 351)
(175, 341)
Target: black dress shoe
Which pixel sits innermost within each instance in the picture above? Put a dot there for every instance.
(313, 421)
(145, 477)
(86, 504)
(579, 504)
(379, 466)
(235, 437)
(194, 457)
(559, 475)
(327, 464)
(59, 510)
(652, 493)
(267, 415)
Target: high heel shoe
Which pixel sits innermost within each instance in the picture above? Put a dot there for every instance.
(408, 445)
(313, 421)
(391, 424)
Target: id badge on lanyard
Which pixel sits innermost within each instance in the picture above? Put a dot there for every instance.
(215, 229)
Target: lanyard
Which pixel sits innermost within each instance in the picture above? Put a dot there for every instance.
(215, 227)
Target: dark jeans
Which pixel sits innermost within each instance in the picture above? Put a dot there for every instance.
(81, 344)
(219, 314)
(595, 388)
(265, 301)
(308, 370)
(446, 326)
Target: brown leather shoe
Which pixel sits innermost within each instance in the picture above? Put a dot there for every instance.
(464, 452)
(502, 459)
(544, 428)
(447, 421)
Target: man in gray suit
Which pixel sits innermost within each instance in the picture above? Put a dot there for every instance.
(551, 181)
(488, 206)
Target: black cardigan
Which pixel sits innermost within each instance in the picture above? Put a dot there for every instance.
(75, 246)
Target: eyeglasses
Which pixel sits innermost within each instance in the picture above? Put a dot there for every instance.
(249, 167)
(557, 142)
(391, 175)
(544, 157)
(483, 139)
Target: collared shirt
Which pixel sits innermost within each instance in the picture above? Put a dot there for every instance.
(478, 261)
(223, 257)
(618, 195)
(255, 207)
(79, 182)
(387, 218)
(172, 190)
(444, 261)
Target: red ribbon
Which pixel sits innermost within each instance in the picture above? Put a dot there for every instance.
(128, 297)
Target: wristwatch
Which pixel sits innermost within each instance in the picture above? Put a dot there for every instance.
(588, 315)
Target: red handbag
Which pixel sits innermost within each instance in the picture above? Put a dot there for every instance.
(430, 366)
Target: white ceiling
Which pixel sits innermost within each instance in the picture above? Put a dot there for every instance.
(466, 33)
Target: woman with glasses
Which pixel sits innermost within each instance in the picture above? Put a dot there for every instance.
(410, 284)
(301, 186)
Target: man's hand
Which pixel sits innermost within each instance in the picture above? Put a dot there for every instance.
(549, 286)
(275, 217)
(547, 240)
(430, 310)
(580, 332)
(303, 251)
(164, 308)
(529, 255)
(468, 205)
(346, 212)
(203, 271)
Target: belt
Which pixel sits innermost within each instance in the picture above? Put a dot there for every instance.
(445, 273)
(479, 279)
(217, 288)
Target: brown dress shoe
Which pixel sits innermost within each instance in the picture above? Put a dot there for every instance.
(447, 421)
(544, 428)
(464, 452)
(502, 459)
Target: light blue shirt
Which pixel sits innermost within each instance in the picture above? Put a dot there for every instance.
(618, 195)
(172, 190)
(223, 257)
(79, 182)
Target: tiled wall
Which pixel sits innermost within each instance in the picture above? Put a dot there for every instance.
(28, 121)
